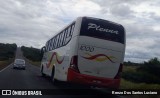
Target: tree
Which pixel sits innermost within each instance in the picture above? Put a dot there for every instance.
(152, 67)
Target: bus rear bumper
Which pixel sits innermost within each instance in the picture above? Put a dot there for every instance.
(76, 77)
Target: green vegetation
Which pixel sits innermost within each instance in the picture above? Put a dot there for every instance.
(131, 85)
(3, 64)
(7, 54)
(32, 54)
(141, 76)
(7, 51)
(148, 72)
(151, 67)
(144, 86)
(36, 63)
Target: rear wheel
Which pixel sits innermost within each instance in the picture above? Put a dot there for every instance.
(53, 76)
(42, 72)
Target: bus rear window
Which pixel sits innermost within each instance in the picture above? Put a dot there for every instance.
(102, 29)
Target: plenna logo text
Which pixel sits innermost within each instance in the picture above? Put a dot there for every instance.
(99, 28)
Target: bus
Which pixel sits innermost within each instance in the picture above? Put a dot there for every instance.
(88, 51)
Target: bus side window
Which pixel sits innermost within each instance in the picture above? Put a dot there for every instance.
(62, 34)
(59, 41)
(65, 34)
(53, 43)
(47, 46)
(68, 37)
(50, 44)
(62, 38)
(56, 44)
(71, 33)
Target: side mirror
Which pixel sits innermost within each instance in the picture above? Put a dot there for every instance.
(43, 49)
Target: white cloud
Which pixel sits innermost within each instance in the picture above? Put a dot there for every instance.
(122, 10)
(33, 22)
(147, 7)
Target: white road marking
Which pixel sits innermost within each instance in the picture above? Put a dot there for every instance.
(6, 67)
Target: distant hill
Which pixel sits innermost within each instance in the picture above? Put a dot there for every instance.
(7, 51)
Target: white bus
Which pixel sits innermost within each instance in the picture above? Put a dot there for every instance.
(88, 51)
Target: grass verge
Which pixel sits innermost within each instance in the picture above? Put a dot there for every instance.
(35, 63)
(5, 63)
(131, 85)
(130, 68)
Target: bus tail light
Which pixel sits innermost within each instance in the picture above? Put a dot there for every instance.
(118, 75)
(74, 63)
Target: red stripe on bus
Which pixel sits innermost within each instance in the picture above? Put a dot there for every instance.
(58, 61)
(98, 55)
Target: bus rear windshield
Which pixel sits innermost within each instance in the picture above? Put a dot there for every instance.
(102, 29)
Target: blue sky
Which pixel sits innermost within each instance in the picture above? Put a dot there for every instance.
(33, 22)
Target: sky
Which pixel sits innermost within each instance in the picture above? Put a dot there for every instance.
(33, 22)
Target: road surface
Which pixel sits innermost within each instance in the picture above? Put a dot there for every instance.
(31, 79)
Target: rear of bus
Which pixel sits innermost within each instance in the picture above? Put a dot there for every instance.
(100, 54)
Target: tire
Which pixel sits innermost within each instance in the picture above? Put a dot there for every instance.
(42, 72)
(55, 82)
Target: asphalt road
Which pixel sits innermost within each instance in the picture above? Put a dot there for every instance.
(31, 79)
(23, 79)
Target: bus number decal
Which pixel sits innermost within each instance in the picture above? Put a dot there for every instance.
(87, 48)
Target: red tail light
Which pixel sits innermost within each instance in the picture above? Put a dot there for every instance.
(118, 75)
(74, 63)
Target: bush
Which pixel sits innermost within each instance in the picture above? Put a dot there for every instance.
(132, 85)
(148, 72)
(152, 66)
(7, 51)
(140, 77)
(32, 53)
